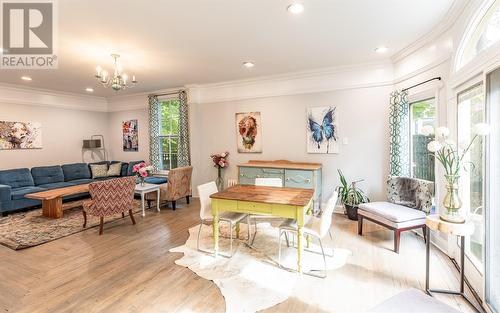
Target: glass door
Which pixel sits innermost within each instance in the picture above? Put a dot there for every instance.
(492, 257)
(471, 111)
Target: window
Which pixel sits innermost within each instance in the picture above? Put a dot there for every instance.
(471, 110)
(169, 133)
(422, 113)
(484, 32)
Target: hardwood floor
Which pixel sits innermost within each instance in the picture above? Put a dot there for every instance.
(129, 269)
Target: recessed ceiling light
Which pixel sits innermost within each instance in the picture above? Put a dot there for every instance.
(88, 89)
(381, 49)
(27, 78)
(295, 8)
(248, 64)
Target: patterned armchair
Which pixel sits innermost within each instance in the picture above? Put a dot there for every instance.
(110, 197)
(177, 187)
(409, 200)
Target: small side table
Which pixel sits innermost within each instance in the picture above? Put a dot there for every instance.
(433, 222)
(147, 188)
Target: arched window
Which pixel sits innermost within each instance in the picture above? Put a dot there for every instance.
(482, 33)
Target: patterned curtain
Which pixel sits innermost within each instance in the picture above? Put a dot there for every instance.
(184, 153)
(399, 125)
(154, 132)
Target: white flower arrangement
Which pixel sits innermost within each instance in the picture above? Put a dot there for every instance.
(446, 150)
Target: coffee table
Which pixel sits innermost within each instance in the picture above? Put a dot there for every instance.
(147, 188)
(52, 199)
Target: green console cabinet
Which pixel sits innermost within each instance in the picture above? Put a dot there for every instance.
(292, 174)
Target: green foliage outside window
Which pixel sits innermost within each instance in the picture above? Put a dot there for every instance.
(169, 133)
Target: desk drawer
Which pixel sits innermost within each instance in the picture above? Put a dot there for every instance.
(249, 174)
(255, 207)
(299, 179)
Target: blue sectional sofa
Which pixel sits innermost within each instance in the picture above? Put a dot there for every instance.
(16, 183)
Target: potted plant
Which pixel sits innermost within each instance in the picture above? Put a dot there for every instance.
(351, 196)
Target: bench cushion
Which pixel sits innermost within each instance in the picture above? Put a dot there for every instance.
(420, 303)
(18, 193)
(156, 180)
(392, 212)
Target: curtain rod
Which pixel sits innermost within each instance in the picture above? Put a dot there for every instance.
(167, 93)
(429, 80)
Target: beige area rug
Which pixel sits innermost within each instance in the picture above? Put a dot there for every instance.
(27, 229)
(251, 280)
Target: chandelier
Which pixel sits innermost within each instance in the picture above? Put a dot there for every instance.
(119, 80)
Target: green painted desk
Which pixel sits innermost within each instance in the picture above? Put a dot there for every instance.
(274, 201)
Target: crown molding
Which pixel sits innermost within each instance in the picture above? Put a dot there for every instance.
(322, 80)
(453, 14)
(14, 94)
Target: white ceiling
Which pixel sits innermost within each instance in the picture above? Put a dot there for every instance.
(171, 43)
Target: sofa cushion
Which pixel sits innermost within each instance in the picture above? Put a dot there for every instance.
(115, 169)
(56, 185)
(19, 193)
(99, 170)
(47, 174)
(131, 167)
(393, 212)
(20, 177)
(81, 181)
(156, 180)
(76, 171)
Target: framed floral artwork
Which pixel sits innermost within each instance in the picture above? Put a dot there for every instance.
(20, 135)
(249, 132)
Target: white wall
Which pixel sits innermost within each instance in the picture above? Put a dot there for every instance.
(363, 120)
(62, 133)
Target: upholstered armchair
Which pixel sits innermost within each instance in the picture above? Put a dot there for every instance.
(177, 187)
(110, 197)
(409, 200)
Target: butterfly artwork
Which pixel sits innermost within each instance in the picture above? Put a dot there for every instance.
(322, 130)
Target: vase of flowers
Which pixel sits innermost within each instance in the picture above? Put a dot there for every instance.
(220, 162)
(141, 170)
(452, 158)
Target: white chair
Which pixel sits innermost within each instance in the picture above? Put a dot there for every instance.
(269, 182)
(206, 217)
(314, 227)
(265, 182)
(232, 182)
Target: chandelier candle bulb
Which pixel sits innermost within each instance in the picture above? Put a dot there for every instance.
(98, 71)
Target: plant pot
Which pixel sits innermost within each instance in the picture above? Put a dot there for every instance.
(352, 212)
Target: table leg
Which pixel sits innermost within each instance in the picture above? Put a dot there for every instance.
(158, 200)
(299, 248)
(142, 204)
(52, 208)
(462, 262)
(216, 234)
(427, 258)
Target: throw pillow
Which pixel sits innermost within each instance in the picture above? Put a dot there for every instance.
(115, 169)
(99, 170)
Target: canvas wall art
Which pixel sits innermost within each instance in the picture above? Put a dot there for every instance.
(249, 132)
(20, 135)
(322, 130)
(130, 135)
